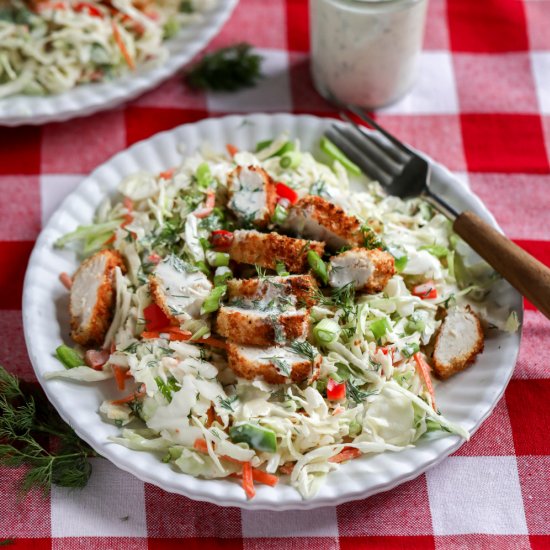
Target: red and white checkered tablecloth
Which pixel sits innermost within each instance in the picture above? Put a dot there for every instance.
(482, 107)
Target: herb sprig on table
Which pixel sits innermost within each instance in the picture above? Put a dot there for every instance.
(227, 69)
(32, 434)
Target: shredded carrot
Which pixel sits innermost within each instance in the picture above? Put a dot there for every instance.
(424, 370)
(211, 414)
(200, 445)
(347, 453)
(287, 468)
(110, 240)
(231, 459)
(150, 334)
(231, 149)
(214, 342)
(128, 218)
(128, 204)
(120, 376)
(122, 47)
(248, 480)
(167, 174)
(263, 477)
(66, 280)
(129, 398)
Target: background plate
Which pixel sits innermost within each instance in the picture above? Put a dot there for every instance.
(468, 398)
(89, 98)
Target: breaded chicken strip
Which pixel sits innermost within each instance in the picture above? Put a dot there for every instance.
(459, 340)
(262, 328)
(315, 218)
(299, 288)
(92, 297)
(275, 365)
(252, 195)
(370, 270)
(265, 249)
(178, 289)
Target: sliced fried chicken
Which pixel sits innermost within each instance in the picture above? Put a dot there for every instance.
(179, 289)
(369, 270)
(252, 195)
(266, 249)
(300, 289)
(275, 365)
(315, 218)
(262, 328)
(92, 297)
(459, 340)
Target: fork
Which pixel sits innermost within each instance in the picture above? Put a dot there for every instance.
(404, 173)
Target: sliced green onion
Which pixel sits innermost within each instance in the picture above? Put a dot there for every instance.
(93, 243)
(342, 373)
(436, 250)
(203, 175)
(409, 350)
(221, 275)
(87, 232)
(399, 256)
(280, 214)
(326, 331)
(171, 28)
(201, 265)
(280, 268)
(285, 148)
(317, 265)
(217, 259)
(263, 144)
(212, 302)
(200, 333)
(334, 152)
(292, 159)
(379, 328)
(257, 437)
(69, 357)
(415, 324)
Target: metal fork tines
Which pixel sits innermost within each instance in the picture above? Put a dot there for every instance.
(386, 159)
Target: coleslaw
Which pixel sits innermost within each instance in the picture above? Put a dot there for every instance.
(373, 392)
(51, 46)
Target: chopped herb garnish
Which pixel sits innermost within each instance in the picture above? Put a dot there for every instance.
(281, 365)
(305, 349)
(227, 69)
(227, 403)
(357, 394)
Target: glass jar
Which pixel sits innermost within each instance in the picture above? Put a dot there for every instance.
(364, 52)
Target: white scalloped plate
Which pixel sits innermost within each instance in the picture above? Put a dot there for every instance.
(86, 99)
(468, 398)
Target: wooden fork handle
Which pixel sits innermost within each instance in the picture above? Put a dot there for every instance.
(520, 269)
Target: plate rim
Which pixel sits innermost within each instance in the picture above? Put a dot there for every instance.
(208, 496)
(122, 89)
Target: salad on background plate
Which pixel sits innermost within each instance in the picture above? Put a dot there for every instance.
(261, 320)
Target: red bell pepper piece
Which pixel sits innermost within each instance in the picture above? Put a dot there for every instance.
(221, 239)
(335, 391)
(285, 192)
(155, 318)
(426, 291)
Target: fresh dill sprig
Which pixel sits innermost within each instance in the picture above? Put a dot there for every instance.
(227, 403)
(357, 394)
(27, 424)
(281, 365)
(227, 69)
(305, 349)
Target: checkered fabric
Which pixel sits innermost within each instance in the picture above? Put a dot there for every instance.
(481, 106)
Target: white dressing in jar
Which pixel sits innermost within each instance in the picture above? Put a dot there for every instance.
(364, 52)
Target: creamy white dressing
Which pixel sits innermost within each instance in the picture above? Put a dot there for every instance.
(365, 53)
(249, 197)
(184, 291)
(353, 266)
